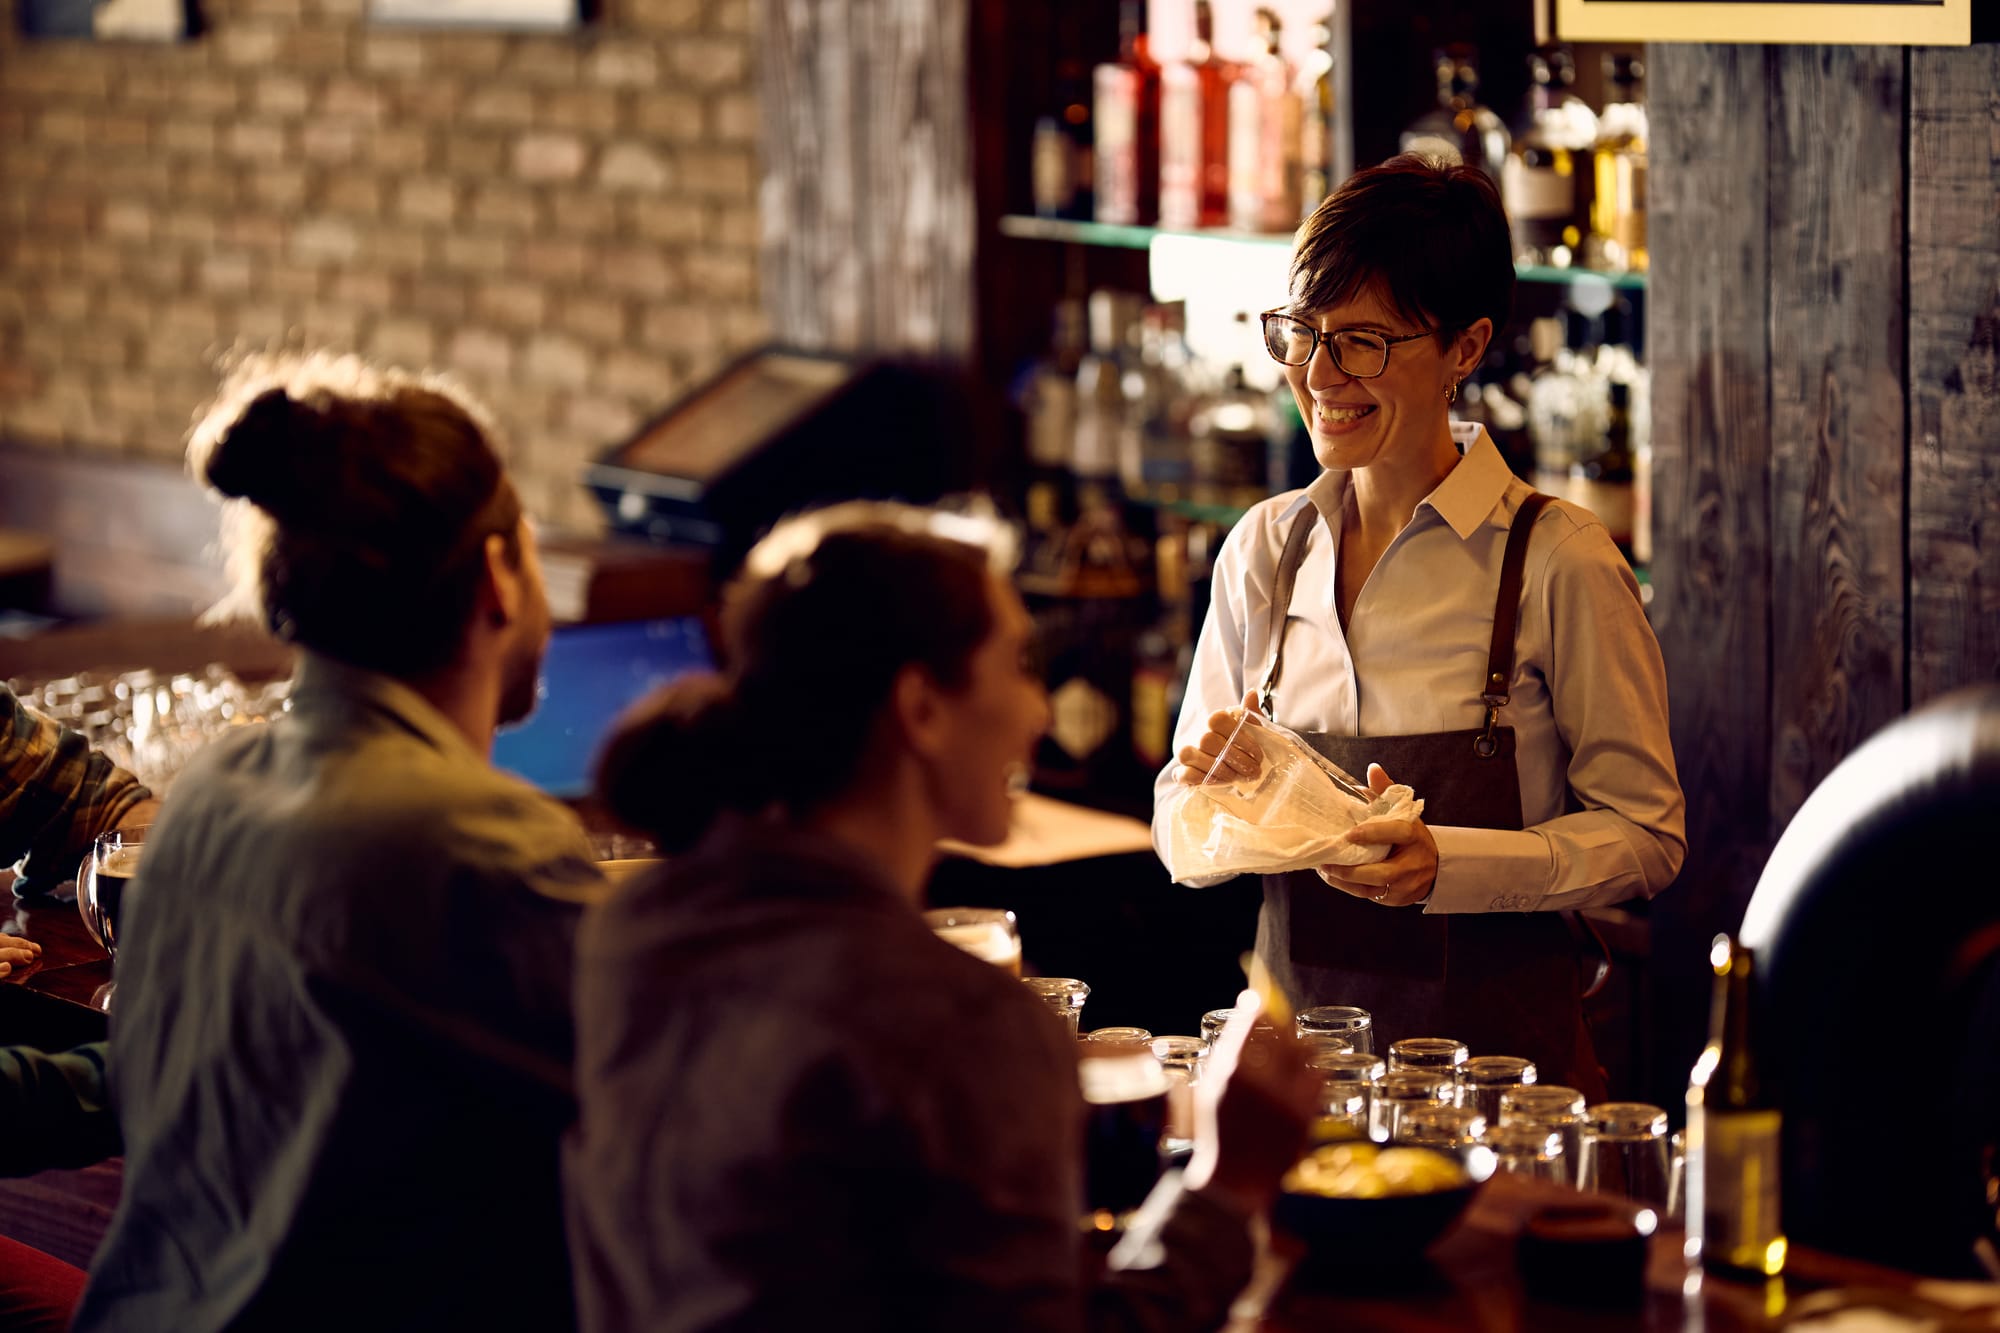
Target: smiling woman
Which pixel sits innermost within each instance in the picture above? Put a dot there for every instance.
(1405, 614)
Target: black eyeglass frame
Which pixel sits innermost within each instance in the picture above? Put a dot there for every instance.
(1388, 342)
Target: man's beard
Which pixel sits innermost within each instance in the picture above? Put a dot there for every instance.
(520, 690)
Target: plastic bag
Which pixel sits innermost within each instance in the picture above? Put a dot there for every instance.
(1293, 815)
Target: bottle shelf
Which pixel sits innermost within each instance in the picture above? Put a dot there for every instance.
(1114, 236)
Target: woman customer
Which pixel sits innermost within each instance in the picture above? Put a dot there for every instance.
(1420, 615)
(798, 1107)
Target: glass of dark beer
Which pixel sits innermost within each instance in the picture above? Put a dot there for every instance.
(100, 889)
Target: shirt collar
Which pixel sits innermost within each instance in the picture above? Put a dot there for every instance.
(1468, 496)
(322, 678)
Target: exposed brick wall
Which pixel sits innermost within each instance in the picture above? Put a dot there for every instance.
(568, 222)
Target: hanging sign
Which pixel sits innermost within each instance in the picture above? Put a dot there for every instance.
(1816, 22)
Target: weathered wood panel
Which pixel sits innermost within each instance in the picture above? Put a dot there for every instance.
(867, 204)
(1954, 478)
(1837, 408)
(1706, 323)
(1706, 329)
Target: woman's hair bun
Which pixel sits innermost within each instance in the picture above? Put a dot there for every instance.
(265, 455)
(679, 757)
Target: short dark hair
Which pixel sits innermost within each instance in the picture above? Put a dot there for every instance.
(375, 493)
(1429, 237)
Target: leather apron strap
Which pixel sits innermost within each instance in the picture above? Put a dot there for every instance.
(1503, 982)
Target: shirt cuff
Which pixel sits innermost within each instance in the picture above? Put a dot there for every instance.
(1490, 870)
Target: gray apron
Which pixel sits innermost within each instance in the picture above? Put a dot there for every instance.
(1504, 983)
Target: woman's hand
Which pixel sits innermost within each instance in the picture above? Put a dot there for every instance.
(1406, 875)
(17, 952)
(1238, 764)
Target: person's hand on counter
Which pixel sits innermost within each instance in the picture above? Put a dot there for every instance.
(1252, 1109)
(1404, 877)
(17, 952)
(1237, 763)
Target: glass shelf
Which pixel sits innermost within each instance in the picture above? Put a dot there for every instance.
(1113, 236)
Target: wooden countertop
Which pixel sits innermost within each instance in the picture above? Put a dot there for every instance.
(64, 999)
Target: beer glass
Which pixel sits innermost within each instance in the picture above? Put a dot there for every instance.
(1063, 995)
(1483, 1078)
(1554, 1106)
(1354, 1026)
(1125, 1095)
(987, 933)
(1401, 1091)
(100, 890)
(1625, 1152)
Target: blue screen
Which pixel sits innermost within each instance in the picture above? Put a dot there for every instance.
(591, 674)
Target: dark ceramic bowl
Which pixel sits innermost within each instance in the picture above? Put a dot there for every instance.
(1394, 1230)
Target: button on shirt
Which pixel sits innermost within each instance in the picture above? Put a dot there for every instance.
(1600, 800)
(340, 1049)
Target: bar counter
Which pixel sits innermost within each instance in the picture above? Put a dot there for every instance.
(1474, 1286)
(63, 999)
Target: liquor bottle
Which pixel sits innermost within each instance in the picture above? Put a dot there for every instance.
(1733, 1133)
(1126, 107)
(1100, 387)
(1194, 131)
(1319, 131)
(1458, 128)
(1164, 650)
(1231, 447)
(1602, 480)
(1153, 451)
(1073, 96)
(1545, 182)
(1618, 205)
(1264, 112)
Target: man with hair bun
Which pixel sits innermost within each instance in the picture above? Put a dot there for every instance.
(340, 1053)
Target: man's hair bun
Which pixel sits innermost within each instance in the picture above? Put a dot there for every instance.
(268, 454)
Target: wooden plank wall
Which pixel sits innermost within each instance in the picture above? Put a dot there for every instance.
(867, 202)
(1824, 326)
(1954, 487)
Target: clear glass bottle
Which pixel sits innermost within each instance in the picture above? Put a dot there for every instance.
(1618, 205)
(1264, 115)
(1734, 1130)
(1194, 131)
(1459, 128)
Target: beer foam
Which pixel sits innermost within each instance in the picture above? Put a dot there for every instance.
(124, 861)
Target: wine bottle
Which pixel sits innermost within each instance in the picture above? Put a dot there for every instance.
(1733, 1128)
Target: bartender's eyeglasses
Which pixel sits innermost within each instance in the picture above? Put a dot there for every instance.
(1360, 354)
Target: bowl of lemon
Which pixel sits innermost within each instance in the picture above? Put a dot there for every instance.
(1359, 1203)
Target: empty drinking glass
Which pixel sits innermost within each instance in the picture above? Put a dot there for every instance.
(1311, 1046)
(1554, 1106)
(1401, 1091)
(1433, 1053)
(1213, 1022)
(987, 933)
(1181, 1058)
(1354, 1026)
(1063, 995)
(1121, 1036)
(1483, 1078)
(1529, 1150)
(1446, 1128)
(1625, 1152)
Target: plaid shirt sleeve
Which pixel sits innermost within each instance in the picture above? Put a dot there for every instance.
(56, 794)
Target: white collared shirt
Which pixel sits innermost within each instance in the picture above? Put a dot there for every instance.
(1588, 702)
